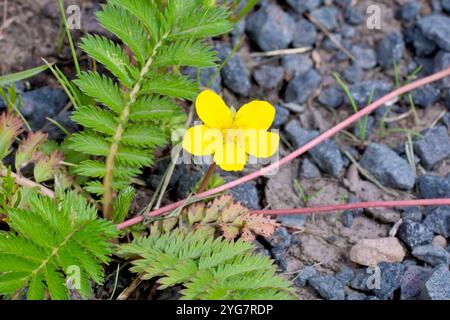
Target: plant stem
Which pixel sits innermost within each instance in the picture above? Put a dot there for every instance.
(305, 148)
(24, 182)
(356, 205)
(207, 177)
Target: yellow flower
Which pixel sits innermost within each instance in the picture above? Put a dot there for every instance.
(229, 135)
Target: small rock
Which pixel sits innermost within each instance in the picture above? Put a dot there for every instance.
(432, 187)
(331, 97)
(281, 238)
(345, 275)
(365, 58)
(438, 221)
(268, 77)
(422, 45)
(441, 62)
(447, 101)
(297, 135)
(304, 275)
(356, 296)
(426, 95)
(327, 44)
(247, 194)
(440, 241)
(409, 11)
(328, 287)
(303, 86)
(437, 28)
(361, 92)
(390, 49)
(348, 31)
(436, 6)
(235, 74)
(353, 74)
(437, 286)
(433, 147)
(292, 221)
(305, 34)
(205, 76)
(413, 281)
(353, 15)
(295, 64)
(432, 254)
(326, 16)
(412, 214)
(270, 28)
(185, 185)
(294, 107)
(414, 234)
(370, 252)
(308, 170)
(446, 5)
(328, 157)
(388, 167)
(281, 116)
(381, 284)
(347, 218)
(301, 6)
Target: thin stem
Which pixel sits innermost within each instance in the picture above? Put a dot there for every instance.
(24, 182)
(356, 205)
(323, 137)
(207, 177)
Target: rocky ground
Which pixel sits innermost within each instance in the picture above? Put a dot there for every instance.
(400, 253)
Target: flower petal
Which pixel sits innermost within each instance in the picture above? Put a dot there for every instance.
(213, 111)
(256, 115)
(261, 143)
(231, 157)
(201, 140)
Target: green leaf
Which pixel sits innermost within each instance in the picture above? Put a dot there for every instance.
(89, 143)
(186, 53)
(154, 108)
(97, 119)
(22, 75)
(143, 136)
(172, 85)
(123, 204)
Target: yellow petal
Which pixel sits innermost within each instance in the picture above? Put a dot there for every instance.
(256, 115)
(201, 140)
(231, 157)
(213, 111)
(261, 143)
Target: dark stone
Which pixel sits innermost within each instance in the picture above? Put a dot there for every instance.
(388, 167)
(345, 275)
(409, 11)
(235, 74)
(353, 15)
(308, 170)
(292, 221)
(326, 16)
(447, 101)
(426, 95)
(356, 296)
(414, 234)
(268, 77)
(328, 287)
(281, 116)
(247, 194)
(348, 31)
(390, 275)
(295, 64)
(361, 92)
(281, 238)
(413, 281)
(437, 28)
(304, 275)
(347, 218)
(432, 254)
(436, 6)
(441, 62)
(327, 44)
(365, 58)
(433, 146)
(360, 132)
(412, 214)
(353, 74)
(186, 184)
(390, 49)
(302, 86)
(437, 286)
(297, 135)
(205, 77)
(331, 97)
(270, 28)
(305, 34)
(423, 46)
(431, 187)
(301, 6)
(446, 5)
(438, 220)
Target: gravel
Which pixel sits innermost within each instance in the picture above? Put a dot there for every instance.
(409, 11)
(345, 275)
(437, 286)
(422, 45)
(388, 167)
(247, 194)
(304, 275)
(431, 186)
(281, 116)
(353, 15)
(331, 97)
(235, 74)
(365, 58)
(441, 62)
(326, 16)
(305, 34)
(432, 254)
(363, 128)
(390, 49)
(437, 28)
(353, 74)
(412, 213)
(268, 77)
(427, 95)
(328, 287)
(303, 86)
(438, 220)
(308, 170)
(413, 281)
(295, 64)
(433, 147)
(301, 6)
(414, 234)
(270, 28)
(362, 91)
